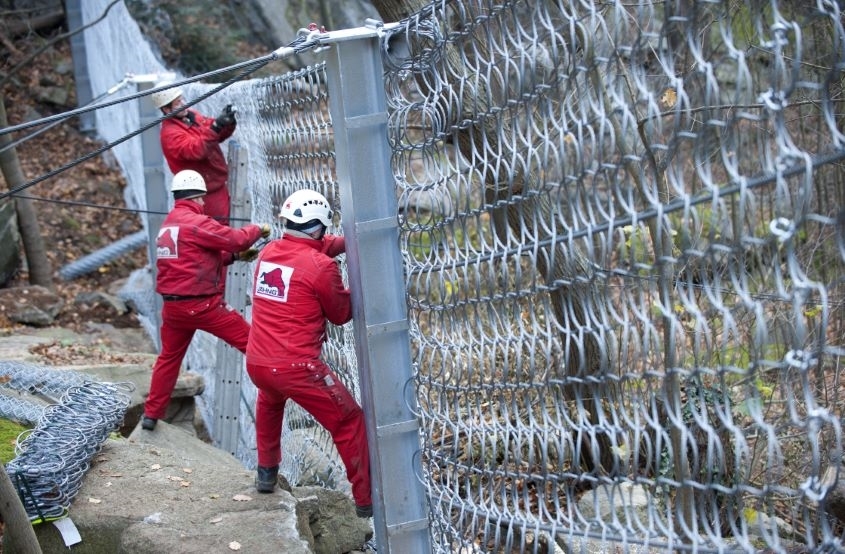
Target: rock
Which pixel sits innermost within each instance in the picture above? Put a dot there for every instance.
(331, 515)
(125, 339)
(345, 14)
(30, 305)
(57, 96)
(165, 491)
(101, 300)
(18, 347)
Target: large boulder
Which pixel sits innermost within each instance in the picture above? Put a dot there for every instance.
(166, 491)
(30, 305)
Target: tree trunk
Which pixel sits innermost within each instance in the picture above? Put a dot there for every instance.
(16, 28)
(40, 272)
(18, 534)
(834, 501)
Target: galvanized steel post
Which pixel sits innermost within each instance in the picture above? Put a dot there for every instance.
(374, 263)
(84, 94)
(230, 375)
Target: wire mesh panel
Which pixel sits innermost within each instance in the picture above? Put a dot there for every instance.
(622, 229)
(296, 151)
(623, 272)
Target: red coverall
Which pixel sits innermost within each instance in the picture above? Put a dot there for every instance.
(196, 146)
(297, 288)
(192, 249)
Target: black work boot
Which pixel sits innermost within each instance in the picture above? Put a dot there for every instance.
(265, 481)
(364, 511)
(148, 423)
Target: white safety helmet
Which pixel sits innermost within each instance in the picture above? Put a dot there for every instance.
(187, 184)
(306, 205)
(162, 98)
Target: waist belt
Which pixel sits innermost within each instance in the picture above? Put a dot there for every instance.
(175, 297)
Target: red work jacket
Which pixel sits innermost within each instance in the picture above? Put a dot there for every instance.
(297, 286)
(192, 249)
(196, 146)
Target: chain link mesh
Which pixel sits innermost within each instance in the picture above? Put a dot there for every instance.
(619, 227)
(622, 229)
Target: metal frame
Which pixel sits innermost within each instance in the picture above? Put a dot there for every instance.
(155, 187)
(374, 263)
(84, 94)
(230, 362)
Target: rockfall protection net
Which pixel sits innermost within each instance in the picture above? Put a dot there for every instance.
(69, 428)
(622, 228)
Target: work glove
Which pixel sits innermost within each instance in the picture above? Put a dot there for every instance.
(265, 230)
(247, 255)
(226, 118)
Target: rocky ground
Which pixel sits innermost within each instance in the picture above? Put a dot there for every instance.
(167, 490)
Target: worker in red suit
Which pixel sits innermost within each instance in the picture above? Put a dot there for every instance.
(191, 250)
(297, 289)
(190, 140)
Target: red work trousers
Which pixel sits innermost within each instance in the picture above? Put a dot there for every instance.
(317, 389)
(180, 320)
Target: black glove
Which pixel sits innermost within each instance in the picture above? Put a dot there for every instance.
(226, 118)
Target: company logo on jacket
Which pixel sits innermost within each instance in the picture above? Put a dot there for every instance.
(273, 281)
(166, 242)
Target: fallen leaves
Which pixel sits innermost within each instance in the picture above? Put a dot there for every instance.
(68, 353)
(669, 98)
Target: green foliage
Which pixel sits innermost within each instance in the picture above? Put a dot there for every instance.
(636, 248)
(203, 46)
(9, 431)
(71, 223)
(196, 37)
(742, 25)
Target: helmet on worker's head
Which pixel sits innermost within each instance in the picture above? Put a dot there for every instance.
(303, 207)
(187, 184)
(162, 98)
